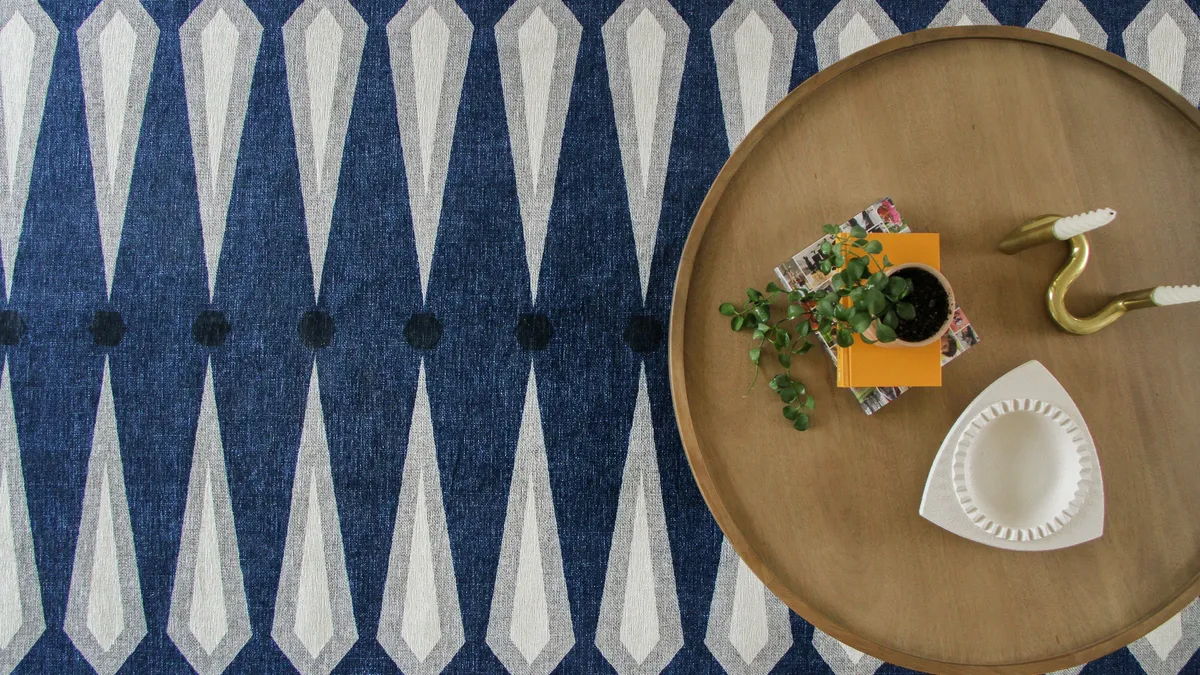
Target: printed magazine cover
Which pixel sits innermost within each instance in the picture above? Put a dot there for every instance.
(803, 272)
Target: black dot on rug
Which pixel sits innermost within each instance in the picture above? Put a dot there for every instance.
(210, 328)
(644, 333)
(107, 328)
(316, 329)
(534, 331)
(11, 327)
(423, 331)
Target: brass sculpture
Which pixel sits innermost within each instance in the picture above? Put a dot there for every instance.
(1073, 230)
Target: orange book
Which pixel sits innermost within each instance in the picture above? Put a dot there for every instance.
(865, 365)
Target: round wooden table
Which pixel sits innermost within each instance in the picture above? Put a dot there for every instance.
(972, 131)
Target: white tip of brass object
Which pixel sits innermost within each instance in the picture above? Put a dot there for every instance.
(1045, 229)
(1175, 295)
(1065, 228)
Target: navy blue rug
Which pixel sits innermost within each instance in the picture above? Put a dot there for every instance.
(334, 332)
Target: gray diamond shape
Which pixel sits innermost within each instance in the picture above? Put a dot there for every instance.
(104, 617)
(24, 22)
(753, 20)
(1156, 17)
(963, 13)
(640, 501)
(524, 647)
(1068, 16)
(416, 651)
(104, 39)
(841, 31)
(228, 28)
(208, 522)
(648, 26)
(1180, 654)
(427, 127)
(536, 167)
(327, 627)
(773, 636)
(321, 117)
(839, 660)
(31, 621)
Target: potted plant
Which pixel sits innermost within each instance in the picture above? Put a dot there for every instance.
(932, 301)
(868, 299)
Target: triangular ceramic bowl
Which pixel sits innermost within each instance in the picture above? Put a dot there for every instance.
(1029, 483)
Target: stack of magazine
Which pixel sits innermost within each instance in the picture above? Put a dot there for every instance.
(803, 272)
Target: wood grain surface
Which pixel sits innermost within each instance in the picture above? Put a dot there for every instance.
(972, 131)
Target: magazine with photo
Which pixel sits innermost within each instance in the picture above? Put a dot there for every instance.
(803, 272)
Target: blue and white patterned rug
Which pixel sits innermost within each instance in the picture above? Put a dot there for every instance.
(334, 331)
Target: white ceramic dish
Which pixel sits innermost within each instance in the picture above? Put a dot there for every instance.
(1022, 469)
(1018, 469)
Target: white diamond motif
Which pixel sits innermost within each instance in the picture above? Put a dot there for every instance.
(1070, 19)
(1169, 648)
(843, 659)
(1164, 638)
(1168, 51)
(21, 619)
(314, 622)
(753, 43)
(421, 626)
(646, 42)
(105, 618)
(537, 40)
(639, 629)
(220, 43)
(27, 45)
(854, 654)
(323, 47)
(17, 42)
(218, 49)
(10, 588)
(323, 43)
(963, 13)
(105, 611)
(645, 45)
(857, 35)
(1162, 38)
(853, 25)
(430, 50)
(314, 608)
(530, 629)
(748, 630)
(1065, 28)
(208, 619)
(429, 42)
(639, 615)
(117, 43)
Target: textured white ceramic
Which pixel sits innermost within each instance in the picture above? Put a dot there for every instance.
(1022, 469)
(1030, 482)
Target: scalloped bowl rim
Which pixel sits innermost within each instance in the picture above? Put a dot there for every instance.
(1072, 442)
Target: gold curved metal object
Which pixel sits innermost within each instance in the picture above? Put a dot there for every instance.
(1041, 231)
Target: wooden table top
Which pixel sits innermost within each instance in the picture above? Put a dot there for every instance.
(972, 131)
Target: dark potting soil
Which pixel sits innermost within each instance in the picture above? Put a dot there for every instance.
(931, 302)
